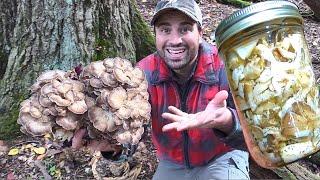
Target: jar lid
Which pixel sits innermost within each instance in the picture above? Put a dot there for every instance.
(253, 15)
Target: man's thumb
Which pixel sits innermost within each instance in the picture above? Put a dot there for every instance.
(219, 99)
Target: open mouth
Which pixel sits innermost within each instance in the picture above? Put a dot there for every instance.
(176, 53)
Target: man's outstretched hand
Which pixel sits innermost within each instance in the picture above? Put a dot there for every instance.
(216, 115)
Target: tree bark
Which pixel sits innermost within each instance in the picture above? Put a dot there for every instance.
(39, 35)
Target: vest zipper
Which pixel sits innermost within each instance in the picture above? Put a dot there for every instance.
(183, 94)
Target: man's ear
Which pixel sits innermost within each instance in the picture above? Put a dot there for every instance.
(200, 34)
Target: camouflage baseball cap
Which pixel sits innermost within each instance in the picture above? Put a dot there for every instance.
(188, 7)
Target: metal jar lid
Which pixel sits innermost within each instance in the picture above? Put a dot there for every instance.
(253, 15)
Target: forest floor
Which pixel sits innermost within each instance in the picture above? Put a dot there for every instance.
(66, 163)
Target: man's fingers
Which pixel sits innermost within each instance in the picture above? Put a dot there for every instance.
(170, 126)
(172, 117)
(177, 111)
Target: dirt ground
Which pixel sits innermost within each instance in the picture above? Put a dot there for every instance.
(65, 163)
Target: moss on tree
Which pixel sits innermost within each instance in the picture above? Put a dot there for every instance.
(143, 38)
(9, 128)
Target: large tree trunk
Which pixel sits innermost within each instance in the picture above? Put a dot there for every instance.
(37, 35)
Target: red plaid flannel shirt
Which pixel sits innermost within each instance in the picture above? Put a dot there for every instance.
(194, 147)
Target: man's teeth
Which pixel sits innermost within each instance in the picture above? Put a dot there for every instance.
(176, 51)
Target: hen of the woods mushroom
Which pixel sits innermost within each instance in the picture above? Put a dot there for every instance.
(274, 88)
(109, 98)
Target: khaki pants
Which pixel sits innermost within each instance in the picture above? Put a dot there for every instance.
(232, 165)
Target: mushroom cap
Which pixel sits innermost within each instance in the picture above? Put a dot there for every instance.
(109, 80)
(78, 107)
(136, 77)
(61, 86)
(96, 83)
(38, 128)
(62, 134)
(109, 64)
(68, 122)
(136, 136)
(124, 137)
(90, 102)
(62, 111)
(59, 100)
(121, 75)
(97, 68)
(123, 112)
(51, 74)
(117, 97)
(47, 89)
(101, 119)
(50, 111)
(45, 101)
(136, 123)
(140, 107)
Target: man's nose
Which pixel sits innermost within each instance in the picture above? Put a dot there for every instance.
(175, 38)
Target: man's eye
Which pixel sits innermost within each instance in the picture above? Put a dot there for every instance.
(165, 30)
(185, 29)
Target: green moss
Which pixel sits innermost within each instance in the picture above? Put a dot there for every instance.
(103, 44)
(141, 33)
(143, 38)
(9, 128)
(104, 49)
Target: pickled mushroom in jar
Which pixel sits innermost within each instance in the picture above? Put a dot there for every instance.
(274, 88)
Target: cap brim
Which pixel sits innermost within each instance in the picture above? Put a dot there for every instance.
(162, 11)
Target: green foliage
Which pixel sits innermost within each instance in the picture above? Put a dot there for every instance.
(143, 38)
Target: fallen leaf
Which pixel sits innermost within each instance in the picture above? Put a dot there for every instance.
(47, 136)
(40, 157)
(39, 150)
(13, 152)
(29, 146)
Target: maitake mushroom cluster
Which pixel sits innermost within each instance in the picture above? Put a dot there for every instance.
(274, 87)
(55, 106)
(118, 99)
(108, 97)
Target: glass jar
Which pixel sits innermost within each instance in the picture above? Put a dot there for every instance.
(272, 81)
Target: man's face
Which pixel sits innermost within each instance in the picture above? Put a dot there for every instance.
(177, 39)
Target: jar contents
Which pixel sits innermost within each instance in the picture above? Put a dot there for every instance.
(274, 88)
